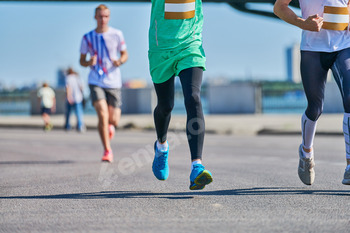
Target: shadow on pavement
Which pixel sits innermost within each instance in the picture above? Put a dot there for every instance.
(187, 195)
(35, 162)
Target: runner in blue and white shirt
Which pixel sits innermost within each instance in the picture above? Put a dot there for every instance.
(107, 51)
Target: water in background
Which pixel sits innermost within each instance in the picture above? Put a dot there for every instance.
(290, 102)
(287, 102)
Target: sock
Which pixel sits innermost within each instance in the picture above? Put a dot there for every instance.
(195, 162)
(346, 131)
(162, 147)
(308, 154)
(308, 130)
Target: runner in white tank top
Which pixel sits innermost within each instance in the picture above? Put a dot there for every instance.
(325, 45)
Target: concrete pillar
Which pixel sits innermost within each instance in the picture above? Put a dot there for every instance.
(240, 98)
(138, 100)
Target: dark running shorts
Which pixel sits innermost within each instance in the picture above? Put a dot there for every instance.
(45, 110)
(111, 95)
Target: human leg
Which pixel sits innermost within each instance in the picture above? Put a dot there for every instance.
(162, 114)
(80, 117)
(191, 81)
(98, 96)
(165, 103)
(45, 114)
(314, 76)
(114, 102)
(68, 111)
(190, 70)
(102, 114)
(341, 74)
(46, 118)
(114, 117)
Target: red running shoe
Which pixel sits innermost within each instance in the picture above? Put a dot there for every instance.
(107, 156)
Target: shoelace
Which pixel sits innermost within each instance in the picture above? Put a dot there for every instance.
(160, 161)
(309, 163)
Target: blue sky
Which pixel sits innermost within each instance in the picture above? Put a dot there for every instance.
(39, 38)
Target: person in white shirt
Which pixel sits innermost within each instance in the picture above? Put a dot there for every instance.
(47, 104)
(325, 45)
(107, 51)
(74, 97)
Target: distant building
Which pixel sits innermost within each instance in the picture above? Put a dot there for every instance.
(61, 78)
(293, 63)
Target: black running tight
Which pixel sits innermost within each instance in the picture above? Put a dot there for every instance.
(191, 80)
(314, 69)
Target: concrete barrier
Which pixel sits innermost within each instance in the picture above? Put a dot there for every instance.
(333, 102)
(138, 100)
(236, 98)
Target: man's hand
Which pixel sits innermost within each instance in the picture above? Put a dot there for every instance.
(313, 23)
(70, 100)
(93, 60)
(117, 62)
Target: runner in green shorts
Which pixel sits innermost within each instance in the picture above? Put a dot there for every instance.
(175, 49)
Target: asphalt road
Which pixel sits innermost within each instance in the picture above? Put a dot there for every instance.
(55, 182)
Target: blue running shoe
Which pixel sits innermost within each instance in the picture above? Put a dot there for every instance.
(160, 166)
(199, 177)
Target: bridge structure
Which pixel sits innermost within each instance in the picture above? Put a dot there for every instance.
(241, 5)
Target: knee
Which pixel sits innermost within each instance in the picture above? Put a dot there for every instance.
(103, 117)
(313, 113)
(192, 101)
(113, 121)
(164, 108)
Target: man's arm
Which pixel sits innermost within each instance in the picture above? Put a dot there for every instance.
(282, 10)
(53, 109)
(123, 58)
(85, 63)
(69, 94)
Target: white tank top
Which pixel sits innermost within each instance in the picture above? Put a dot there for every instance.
(325, 40)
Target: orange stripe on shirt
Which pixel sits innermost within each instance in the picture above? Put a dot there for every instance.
(179, 15)
(179, 1)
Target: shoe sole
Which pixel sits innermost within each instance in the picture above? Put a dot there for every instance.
(202, 180)
(107, 161)
(346, 181)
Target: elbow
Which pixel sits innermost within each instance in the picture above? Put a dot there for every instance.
(275, 10)
(126, 56)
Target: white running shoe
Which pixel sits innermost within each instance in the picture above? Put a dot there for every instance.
(306, 170)
(346, 179)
